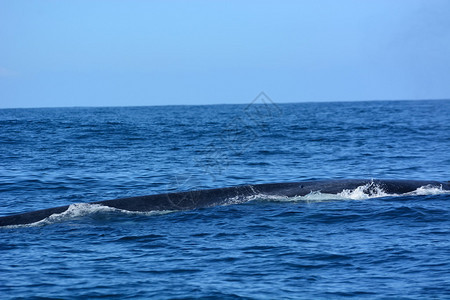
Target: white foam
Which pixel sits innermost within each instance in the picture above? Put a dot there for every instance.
(78, 210)
(311, 197)
(429, 190)
(368, 191)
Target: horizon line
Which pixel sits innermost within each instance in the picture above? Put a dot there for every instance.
(212, 104)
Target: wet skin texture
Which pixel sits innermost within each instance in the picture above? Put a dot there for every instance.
(212, 197)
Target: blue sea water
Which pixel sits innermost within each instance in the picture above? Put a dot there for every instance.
(315, 247)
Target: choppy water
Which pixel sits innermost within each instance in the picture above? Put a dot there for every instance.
(313, 247)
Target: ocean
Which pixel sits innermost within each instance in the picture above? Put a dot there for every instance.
(350, 245)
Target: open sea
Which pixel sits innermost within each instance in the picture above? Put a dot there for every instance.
(314, 247)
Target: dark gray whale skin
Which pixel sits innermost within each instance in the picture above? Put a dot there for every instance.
(212, 197)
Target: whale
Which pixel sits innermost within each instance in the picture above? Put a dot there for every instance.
(189, 200)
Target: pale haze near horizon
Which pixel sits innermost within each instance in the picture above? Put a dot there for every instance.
(120, 53)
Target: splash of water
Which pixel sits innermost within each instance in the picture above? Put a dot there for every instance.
(78, 210)
(368, 191)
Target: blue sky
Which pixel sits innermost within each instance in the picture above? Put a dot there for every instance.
(109, 53)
